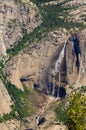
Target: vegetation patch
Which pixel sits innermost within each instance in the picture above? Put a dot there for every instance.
(22, 105)
(12, 23)
(77, 112)
(61, 111)
(72, 110)
(20, 2)
(53, 17)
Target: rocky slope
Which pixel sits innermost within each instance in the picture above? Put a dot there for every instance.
(10, 125)
(15, 19)
(5, 100)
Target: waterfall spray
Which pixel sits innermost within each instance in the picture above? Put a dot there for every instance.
(59, 86)
(53, 89)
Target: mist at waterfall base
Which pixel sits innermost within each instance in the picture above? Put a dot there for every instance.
(59, 92)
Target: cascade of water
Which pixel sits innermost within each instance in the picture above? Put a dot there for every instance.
(53, 88)
(57, 68)
(58, 86)
(49, 90)
(60, 58)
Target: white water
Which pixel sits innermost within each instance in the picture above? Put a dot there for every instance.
(58, 86)
(57, 68)
(60, 58)
(53, 89)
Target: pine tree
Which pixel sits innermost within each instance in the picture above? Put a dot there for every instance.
(77, 112)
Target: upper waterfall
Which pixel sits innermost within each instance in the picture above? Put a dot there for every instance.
(56, 71)
(60, 58)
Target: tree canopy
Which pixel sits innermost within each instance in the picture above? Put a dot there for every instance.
(77, 112)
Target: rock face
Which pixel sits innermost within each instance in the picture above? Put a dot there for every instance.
(43, 63)
(33, 65)
(15, 18)
(69, 66)
(76, 58)
(5, 100)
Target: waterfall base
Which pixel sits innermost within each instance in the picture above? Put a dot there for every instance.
(58, 98)
(60, 92)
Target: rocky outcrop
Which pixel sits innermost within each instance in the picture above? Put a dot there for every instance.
(5, 100)
(15, 19)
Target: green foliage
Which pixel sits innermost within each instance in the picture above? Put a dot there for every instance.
(53, 16)
(83, 15)
(12, 23)
(37, 34)
(61, 112)
(40, 1)
(19, 1)
(6, 117)
(77, 112)
(1, 120)
(21, 100)
(22, 104)
(44, 1)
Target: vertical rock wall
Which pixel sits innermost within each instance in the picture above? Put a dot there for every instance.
(76, 58)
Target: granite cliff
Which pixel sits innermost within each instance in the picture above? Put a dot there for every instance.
(16, 19)
(37, 65)
(51, 60)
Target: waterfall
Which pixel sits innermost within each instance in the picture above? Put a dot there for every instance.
(58, 87)
(60, 58)
(58, 69)
(53, 89)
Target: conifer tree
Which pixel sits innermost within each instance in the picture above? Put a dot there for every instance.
(77, 112)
